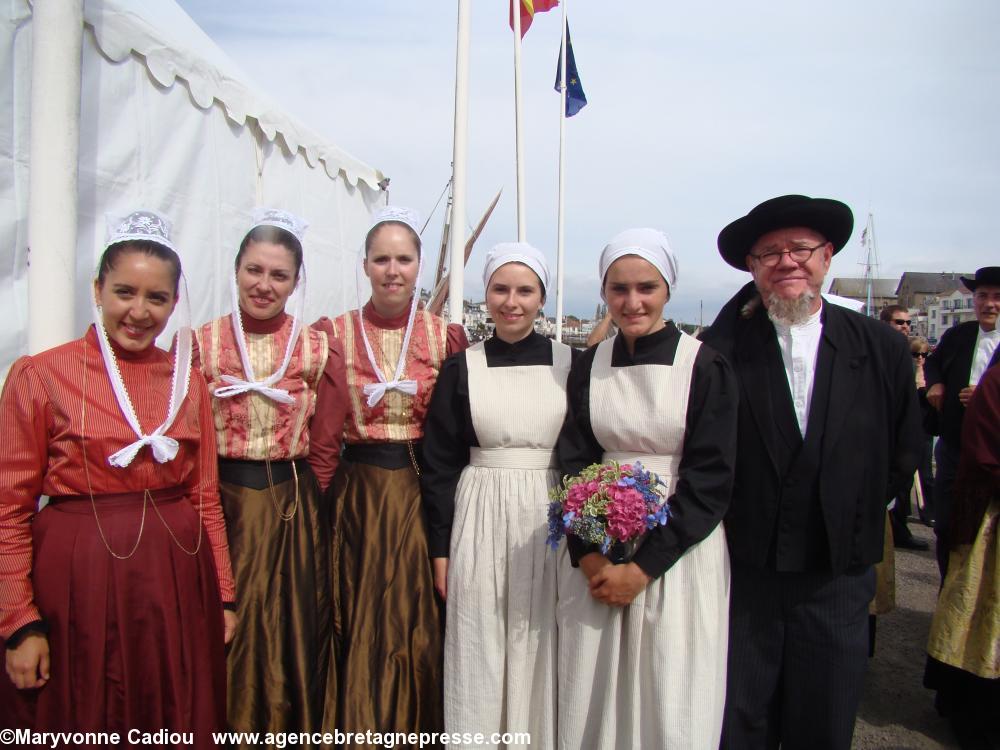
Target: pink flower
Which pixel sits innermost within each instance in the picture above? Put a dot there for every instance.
(626, 513)
(576, 496)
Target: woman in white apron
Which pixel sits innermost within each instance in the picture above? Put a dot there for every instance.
(488, 465)
(643, 641)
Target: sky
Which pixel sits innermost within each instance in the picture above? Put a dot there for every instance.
(697, 112)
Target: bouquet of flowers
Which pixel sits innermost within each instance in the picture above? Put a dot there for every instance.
(607, 504)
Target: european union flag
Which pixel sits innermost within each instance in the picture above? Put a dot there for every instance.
(575, 98)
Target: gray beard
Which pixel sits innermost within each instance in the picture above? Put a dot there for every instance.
(790, 312)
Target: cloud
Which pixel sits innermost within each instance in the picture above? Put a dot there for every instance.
(697, 113)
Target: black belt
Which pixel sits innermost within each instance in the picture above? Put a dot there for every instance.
(162, 495)
(253, 474)
(383, 455)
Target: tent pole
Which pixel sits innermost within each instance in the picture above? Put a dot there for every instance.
(57, 44)
(456, 271)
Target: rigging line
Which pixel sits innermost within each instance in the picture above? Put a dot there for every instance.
(431, 214)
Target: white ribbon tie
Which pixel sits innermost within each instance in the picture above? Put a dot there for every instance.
(237, 386)
(375, 391)
(164, 449)
(263, 386)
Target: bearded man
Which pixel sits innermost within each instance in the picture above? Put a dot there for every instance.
(828, 432)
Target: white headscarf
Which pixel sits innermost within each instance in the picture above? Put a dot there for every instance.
(648, 244)
(516, 252)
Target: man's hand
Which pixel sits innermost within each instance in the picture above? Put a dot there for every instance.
(618, 585)
(965, 394)
(935, 395)
(28, 664)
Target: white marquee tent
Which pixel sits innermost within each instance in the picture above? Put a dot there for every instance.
(168, 122)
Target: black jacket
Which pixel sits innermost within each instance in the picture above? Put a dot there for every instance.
(951, 363)
(867, 448)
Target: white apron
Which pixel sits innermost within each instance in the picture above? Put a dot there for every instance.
(500, 639)
(653, 674)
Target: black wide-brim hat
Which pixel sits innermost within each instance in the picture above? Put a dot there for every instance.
(985, 276)
(830, 218)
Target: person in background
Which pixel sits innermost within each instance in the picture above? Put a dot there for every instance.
(920, 351)
(116, 598)
(952, 371)
(263, 368)
(387, 627)
(643, 638)
(898, 317)
(489, 463)
(828, 433)
(963, 663)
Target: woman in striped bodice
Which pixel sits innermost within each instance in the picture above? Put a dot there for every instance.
(263, 368)
(386, 671)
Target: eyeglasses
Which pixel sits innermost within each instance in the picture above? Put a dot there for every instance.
(798, 254)
(918, 355)
(900, 322)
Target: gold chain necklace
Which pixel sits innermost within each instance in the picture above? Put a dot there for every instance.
(267, 467)
(146, 495)
(376, 342)
(375, 339)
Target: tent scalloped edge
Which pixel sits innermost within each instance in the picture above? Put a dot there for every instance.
(205, 86)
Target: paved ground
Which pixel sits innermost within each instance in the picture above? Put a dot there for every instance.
(897, 711)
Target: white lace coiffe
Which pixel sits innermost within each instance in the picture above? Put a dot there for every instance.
(264, 386)
(164, 447)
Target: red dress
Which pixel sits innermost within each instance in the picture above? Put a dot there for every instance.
(135, 643)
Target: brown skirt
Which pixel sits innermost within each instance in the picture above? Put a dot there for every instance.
(278, 659)
(135, 643)
(388, 627)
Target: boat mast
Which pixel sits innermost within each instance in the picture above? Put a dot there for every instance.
(871, 265)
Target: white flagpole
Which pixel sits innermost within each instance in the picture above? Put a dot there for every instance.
(456, 271)
(522, 230)
(560, 235)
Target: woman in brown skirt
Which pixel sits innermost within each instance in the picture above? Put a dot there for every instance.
(387, 624)
(111, 597)
(263, 367)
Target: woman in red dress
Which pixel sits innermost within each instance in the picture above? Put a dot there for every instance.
(112, 596)
(387, 657)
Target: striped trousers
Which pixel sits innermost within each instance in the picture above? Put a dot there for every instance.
(798, 649)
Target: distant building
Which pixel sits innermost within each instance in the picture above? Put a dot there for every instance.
(546, 326)
(947, 311)
(918, 289)
(883, 291)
